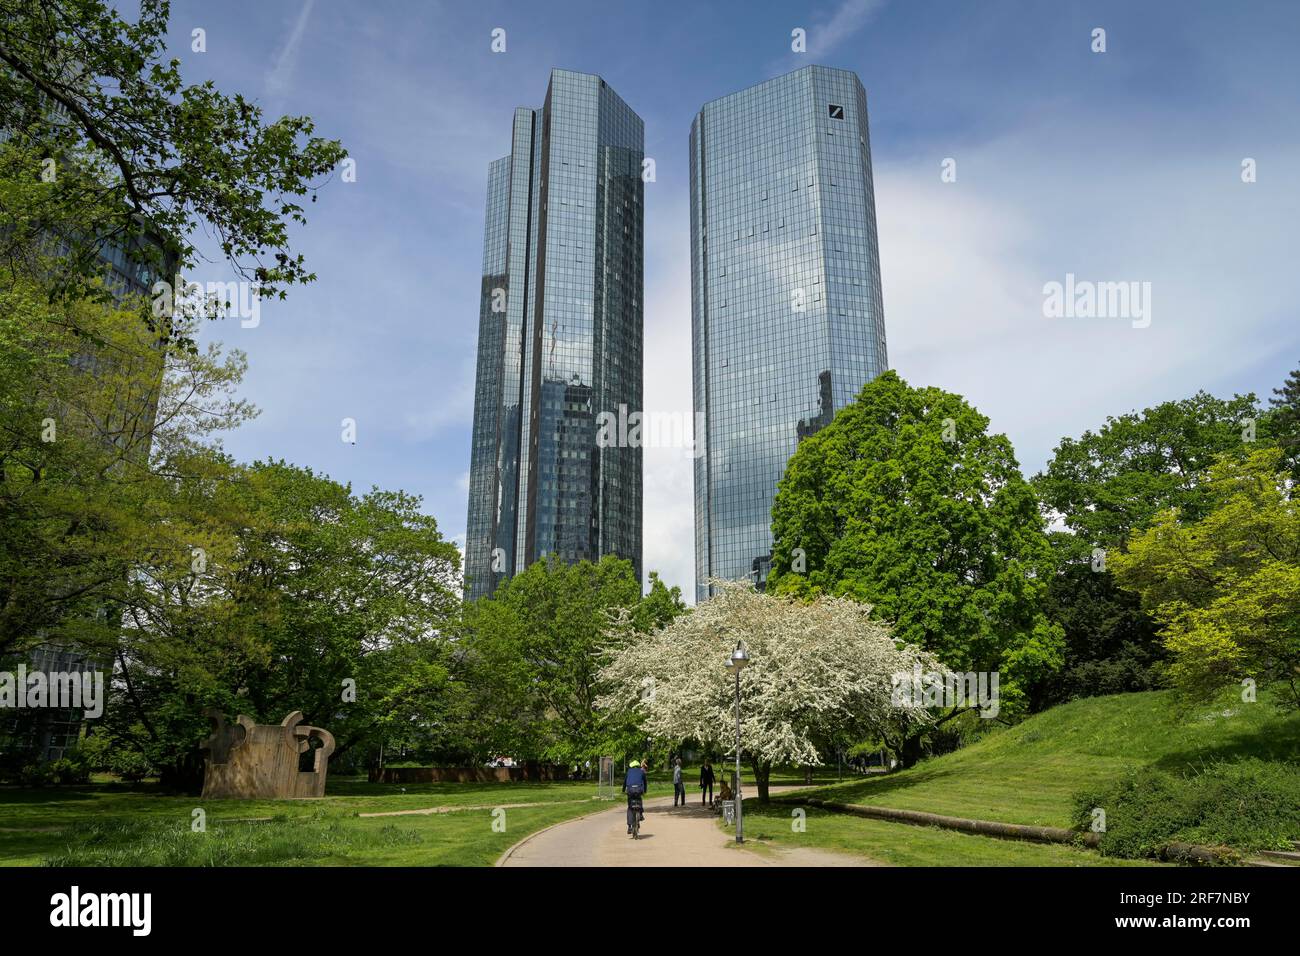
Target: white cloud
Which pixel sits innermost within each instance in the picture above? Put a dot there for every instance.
(845, 20)
(962, 269)
(668, 510)
(827, 32)
(279, 79)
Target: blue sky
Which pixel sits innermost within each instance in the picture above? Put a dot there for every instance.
(1114, 166)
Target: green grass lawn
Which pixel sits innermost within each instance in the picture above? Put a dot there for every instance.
(1029, 773)
(900, 844)
(116, 825)
(111, 824)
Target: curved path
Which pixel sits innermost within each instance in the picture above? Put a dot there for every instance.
(684, 836)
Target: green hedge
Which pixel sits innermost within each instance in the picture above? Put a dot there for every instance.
(1249, 804)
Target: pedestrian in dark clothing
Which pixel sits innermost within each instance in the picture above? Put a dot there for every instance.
(706, 782)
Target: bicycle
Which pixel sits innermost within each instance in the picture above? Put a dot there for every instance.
(634, 812)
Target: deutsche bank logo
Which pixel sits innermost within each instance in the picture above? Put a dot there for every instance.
(837, 112)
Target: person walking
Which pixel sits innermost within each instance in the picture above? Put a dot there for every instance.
(706, 782)
(679, 785)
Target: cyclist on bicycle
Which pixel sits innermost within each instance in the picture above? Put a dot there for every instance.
(634, 785)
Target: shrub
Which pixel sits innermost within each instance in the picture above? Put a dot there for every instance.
(35, 775)
(130, 765)
(69, 770)
(1248, 804)
(72, 768)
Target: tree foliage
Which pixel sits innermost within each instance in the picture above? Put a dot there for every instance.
(102, 440)
(1224, 582)
(109, 148)
(907, 503)
(533, 654)
(1284, 415)
(1107, 484)
(313, 599)
(1111, 643)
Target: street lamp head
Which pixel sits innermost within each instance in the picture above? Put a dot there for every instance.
(739, 657)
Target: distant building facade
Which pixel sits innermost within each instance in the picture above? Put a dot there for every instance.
(787, 316)
(560, 338)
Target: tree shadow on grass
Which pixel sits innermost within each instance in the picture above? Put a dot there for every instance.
(44, 795)
(866, 791)
(1278, 739)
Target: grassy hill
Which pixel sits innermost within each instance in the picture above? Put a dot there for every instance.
(1030, 773)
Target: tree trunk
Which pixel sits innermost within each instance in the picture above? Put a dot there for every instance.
(910, 753)
(762, 774)
(807, 775)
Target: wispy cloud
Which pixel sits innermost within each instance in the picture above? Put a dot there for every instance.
(280, 77)
(826, 32)
(844, 21)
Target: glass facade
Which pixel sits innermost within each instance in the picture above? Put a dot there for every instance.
(560, 338)
(787, 318)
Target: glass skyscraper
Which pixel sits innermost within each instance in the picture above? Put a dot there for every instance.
(787, 319)
(560, 338)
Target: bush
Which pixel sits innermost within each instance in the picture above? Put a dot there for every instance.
(73, 766)
(130, 765)
(95, 748)
(1247, 805)
(35, 775)
(115, 756)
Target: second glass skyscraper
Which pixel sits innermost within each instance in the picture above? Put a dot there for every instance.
(787, 319)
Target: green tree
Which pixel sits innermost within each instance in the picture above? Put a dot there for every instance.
(659, 607)
(1107, 484)
(105, 154)
(103, 425)
(535, 648)
(1225, 583)
(108, 148)
(1284, 414)
(1103, 487)
(314, 599)
(1111, 643)
(906, 502)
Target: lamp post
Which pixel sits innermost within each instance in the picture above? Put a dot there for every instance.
(737, 662)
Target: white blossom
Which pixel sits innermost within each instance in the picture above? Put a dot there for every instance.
(818, 671)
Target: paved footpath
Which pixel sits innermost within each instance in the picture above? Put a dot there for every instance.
(682, 836)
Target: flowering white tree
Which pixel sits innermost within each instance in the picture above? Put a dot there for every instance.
(819, 671)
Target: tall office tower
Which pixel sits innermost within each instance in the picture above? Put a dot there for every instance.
(560, 332)
(787, 320)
